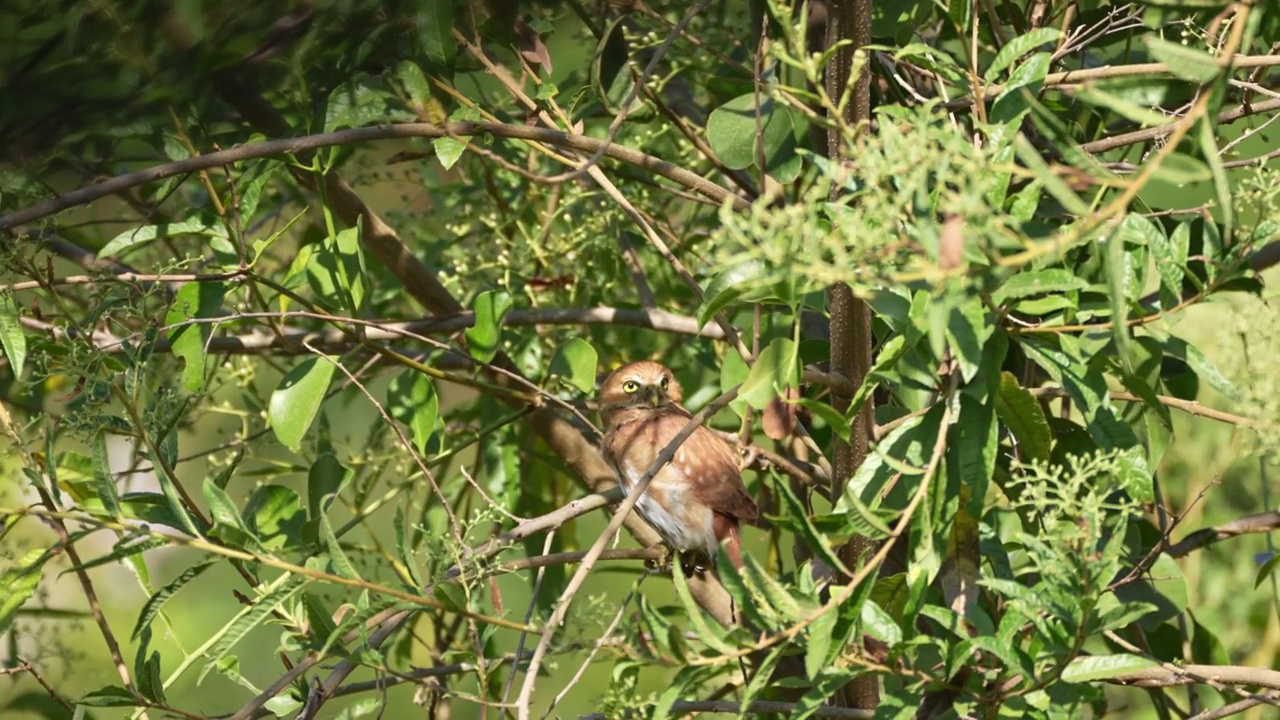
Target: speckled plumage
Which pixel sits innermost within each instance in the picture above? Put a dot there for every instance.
(697, 500)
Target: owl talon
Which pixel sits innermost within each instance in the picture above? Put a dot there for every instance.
(691, 563)
(661, 566)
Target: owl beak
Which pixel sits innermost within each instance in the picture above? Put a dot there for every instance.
(654, 396)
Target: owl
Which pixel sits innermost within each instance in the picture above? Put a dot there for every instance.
(695, 502)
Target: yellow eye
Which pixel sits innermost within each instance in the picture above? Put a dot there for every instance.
(629, 387)
(664, 382)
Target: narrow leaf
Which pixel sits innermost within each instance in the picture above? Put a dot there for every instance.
(104, 481)
(1102, 667)
(12, 340)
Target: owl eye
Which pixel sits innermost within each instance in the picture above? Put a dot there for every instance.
(664, 382)
(629, 387)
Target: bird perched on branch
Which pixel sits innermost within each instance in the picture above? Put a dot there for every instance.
(697, 500)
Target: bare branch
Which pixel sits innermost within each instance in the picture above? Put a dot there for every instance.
(1259, 523)
(757, 707)
(290, 146)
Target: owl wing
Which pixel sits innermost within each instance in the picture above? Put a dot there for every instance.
(717, 479)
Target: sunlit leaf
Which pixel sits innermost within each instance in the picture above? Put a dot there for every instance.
(12, 340)
(483, 337)
(1102, 667)
(1186, 62)
(575, 362)
(189, 338)
(297, 399)
(412, 399)
(19, 583)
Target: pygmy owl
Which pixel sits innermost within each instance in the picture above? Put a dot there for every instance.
(696, 501)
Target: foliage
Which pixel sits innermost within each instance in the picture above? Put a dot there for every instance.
(303, 313)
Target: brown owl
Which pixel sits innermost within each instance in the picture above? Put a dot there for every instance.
(697, 500)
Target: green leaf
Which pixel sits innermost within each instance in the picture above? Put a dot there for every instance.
(1264, 572)
(1023, 415)
(412, 399)
(1053, 184)
(1206, 370)
(127, 547)
(435, 26)
(879, 624)
(1037, 282)
(823, 687)
(133, 239)
(683, 685)
(109, 696)
(362, 101)
(838, 423)
(1017, 47)
(148, 679)
(193, 301)
(1115, 262)
(1094, 94)
(1179, 169)
(19, 583)
(246, 620)
(776, 369)
(1134, 474)
(575, 362)
(225, 515)
(104, 481)
(1088, 668)
(296, 400)
(728, 286)
(1164, 587)
(350, 272)
(12, 340)
(483, 337)
(732, 132)
(967, 331)
(325, 479)
(1221, 186)
(712, 636)
(1185, 62)
(448, 149)
(1170, 256)
(404, 546)
(798, 518)
(817, 655)
(770, 589)
(1087, 386)
(1016, 97)
(153, 605)
(341, 565)
(273, 510)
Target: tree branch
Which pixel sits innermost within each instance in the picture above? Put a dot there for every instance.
(289, 146)
(1259, 523)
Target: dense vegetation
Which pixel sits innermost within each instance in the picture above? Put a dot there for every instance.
(303, 309)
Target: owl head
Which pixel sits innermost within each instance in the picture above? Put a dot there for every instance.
(641, 384)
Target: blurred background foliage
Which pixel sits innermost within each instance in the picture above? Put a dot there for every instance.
(252, 404)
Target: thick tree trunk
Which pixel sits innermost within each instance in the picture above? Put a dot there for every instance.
(850, 317)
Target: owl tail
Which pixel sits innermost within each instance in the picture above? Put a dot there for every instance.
(727, 534)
